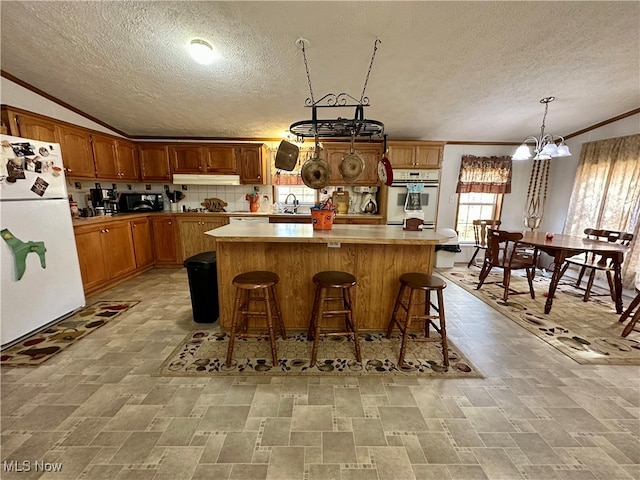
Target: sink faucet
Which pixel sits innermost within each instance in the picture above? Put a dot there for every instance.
(295, 204)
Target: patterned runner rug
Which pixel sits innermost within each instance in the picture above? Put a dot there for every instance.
(42, 345)
(588, 332)
(203, 353)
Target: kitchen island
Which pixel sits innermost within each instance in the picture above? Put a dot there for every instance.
(376, 254)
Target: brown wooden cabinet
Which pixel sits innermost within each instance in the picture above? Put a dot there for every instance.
(104, 156)
(142, 246)
(371, 153)
(105, 252)
(165, 240)
(192, 236)
(416, 154)
(77, 153)
(127, 160)
(31, 126)
(154, 161)
(186, 159)
(252, 163)
(220, 159)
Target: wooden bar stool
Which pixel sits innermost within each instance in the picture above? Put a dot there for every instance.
(257, 286)
(323, 282)
(413, 283)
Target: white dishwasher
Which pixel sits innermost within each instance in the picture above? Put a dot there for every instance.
(259, 219)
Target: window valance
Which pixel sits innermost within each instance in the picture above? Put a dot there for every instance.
(484, 175)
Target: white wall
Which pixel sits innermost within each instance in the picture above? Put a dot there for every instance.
(16, 96)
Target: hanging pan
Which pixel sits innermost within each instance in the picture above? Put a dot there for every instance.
(287, 156)
(385, 171)
(316, 172)
(352, 165)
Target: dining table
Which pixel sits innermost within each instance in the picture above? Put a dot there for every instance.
(560, 247)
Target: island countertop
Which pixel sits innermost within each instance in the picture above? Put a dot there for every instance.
(375, 254)
(304, 233)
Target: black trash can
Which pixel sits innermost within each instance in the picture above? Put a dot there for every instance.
(203, 285)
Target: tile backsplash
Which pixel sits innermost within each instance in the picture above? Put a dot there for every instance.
(194, 195)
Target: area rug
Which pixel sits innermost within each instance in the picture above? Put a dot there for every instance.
(42, 345)
(203, 353)
(588, 332)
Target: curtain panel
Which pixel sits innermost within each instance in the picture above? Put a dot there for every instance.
(606, 194)
(293, 177)
(484, 175)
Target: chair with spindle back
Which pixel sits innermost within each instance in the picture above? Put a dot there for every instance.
(480, 235)
(596, 262)
(504, 251)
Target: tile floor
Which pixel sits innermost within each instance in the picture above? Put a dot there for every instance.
(97, 411)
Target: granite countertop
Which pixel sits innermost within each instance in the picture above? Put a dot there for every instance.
(304, 233)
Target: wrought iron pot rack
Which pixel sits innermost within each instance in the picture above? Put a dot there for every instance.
(338, 127)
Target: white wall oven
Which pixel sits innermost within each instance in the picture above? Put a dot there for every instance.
(428, 198)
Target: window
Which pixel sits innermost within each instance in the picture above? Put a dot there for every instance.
(475, 206)
(304, 195)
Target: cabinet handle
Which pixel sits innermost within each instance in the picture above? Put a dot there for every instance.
(200, 167)
(106, 230)
(170, 223)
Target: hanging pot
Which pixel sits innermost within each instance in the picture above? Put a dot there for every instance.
(316, 172)
(287, 156)
(385, 171)
(352, 165)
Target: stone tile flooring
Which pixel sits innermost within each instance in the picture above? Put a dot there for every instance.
(97, 411)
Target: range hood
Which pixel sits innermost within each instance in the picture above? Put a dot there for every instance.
(184, 179)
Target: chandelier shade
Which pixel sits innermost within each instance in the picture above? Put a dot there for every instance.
(546, 146)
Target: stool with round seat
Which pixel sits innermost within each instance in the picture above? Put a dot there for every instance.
(257, 286)
(324, 282)
(412, 284)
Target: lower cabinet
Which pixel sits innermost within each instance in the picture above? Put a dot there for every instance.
(142, 246)
(192, 236)
(105, 252)
(165, 240)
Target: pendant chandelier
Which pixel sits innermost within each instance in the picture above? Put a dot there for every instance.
(545, 149)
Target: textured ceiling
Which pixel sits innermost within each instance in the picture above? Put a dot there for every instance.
(455, 71)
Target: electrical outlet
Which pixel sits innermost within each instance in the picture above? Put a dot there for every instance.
(333, 244)
(452, 198)
(256, 189)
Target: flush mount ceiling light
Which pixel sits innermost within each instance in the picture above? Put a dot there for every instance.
(202, 52)
(546, 146)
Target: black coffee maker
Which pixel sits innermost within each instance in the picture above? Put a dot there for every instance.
(104, 197)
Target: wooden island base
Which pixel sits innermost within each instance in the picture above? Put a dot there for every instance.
(296, 253)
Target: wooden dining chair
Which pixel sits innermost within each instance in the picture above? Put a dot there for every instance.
(629, 312)
(480, 236)
(505, 252)
(591, 263)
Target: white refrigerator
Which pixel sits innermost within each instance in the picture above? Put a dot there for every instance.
(41, 280)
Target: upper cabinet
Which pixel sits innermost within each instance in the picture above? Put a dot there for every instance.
(77, 152)
(371, 153)
(104, 156)
(186, 158)
(220, 159)
(252, 163)
(416, 154)
(154, 161)
(114, 159)
(127, 160)
(29, 126)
